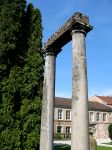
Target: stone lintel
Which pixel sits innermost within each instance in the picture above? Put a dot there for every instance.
(61, 37)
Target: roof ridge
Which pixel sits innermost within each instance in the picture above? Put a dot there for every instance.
(66, 103)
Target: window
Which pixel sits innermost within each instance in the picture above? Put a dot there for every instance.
(59, 114)
(67, 114)
(104, 117)
(97, 116)
(67, 129)
(59, 129)
(91, 116)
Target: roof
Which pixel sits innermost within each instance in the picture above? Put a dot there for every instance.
(99, 107)
(106, 99)
(66, 103)
(62, 102)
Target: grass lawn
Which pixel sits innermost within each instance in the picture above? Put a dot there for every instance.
(104, 148)
(110, 143)
(67, 147)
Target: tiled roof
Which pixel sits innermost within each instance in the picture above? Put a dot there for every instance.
(62, 102)
(106, 99)
(66, 103)
(98, 106)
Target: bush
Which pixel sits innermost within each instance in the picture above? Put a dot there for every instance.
(110, 131)
(57, 136)
(61, 136)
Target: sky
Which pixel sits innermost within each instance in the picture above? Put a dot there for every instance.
(98, 42)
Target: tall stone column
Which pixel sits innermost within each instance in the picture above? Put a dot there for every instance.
(47, 118)
(80, 118)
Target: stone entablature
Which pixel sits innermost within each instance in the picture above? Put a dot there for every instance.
(63, 35)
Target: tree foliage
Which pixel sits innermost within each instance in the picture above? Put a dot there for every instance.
(110, 131)
(21, 75)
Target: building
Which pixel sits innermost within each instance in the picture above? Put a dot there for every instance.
(100, 114)
(106, 100)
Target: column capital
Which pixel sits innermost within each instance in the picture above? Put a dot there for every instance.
(81, 28)
(79, 31)
(51, 51)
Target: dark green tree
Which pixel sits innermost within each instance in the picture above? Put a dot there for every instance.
(11, 17)
(31, 92)
(110, 131)
(21, 76)
(10, 131)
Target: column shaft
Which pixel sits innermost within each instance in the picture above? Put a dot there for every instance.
(80, 123)
(47, 118)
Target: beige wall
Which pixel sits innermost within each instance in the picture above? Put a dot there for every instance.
(63, 122)
(101, 126)
(64, 113)
(101, 131)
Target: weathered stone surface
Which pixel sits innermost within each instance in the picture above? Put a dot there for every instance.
(80, 118)
(78, 24)
(47, 118)
(93, 143)
(63, 35)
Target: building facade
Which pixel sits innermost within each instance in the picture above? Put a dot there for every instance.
(100, 115)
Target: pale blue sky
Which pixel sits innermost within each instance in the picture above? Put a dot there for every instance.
(98, 42)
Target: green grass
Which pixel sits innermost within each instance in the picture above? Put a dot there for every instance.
(67, 147)
(104, 148)
(110, 143)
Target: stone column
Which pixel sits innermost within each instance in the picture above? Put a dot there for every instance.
(47, 118)
(80, 118)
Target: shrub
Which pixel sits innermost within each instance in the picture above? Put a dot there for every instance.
(110, 131)
(57, 136)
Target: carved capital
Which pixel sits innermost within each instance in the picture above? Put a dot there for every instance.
(51, 51)
(81, 27)
(79, 31)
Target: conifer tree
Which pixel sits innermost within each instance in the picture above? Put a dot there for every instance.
(11, 14)
(33, 78)
(21, 75)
